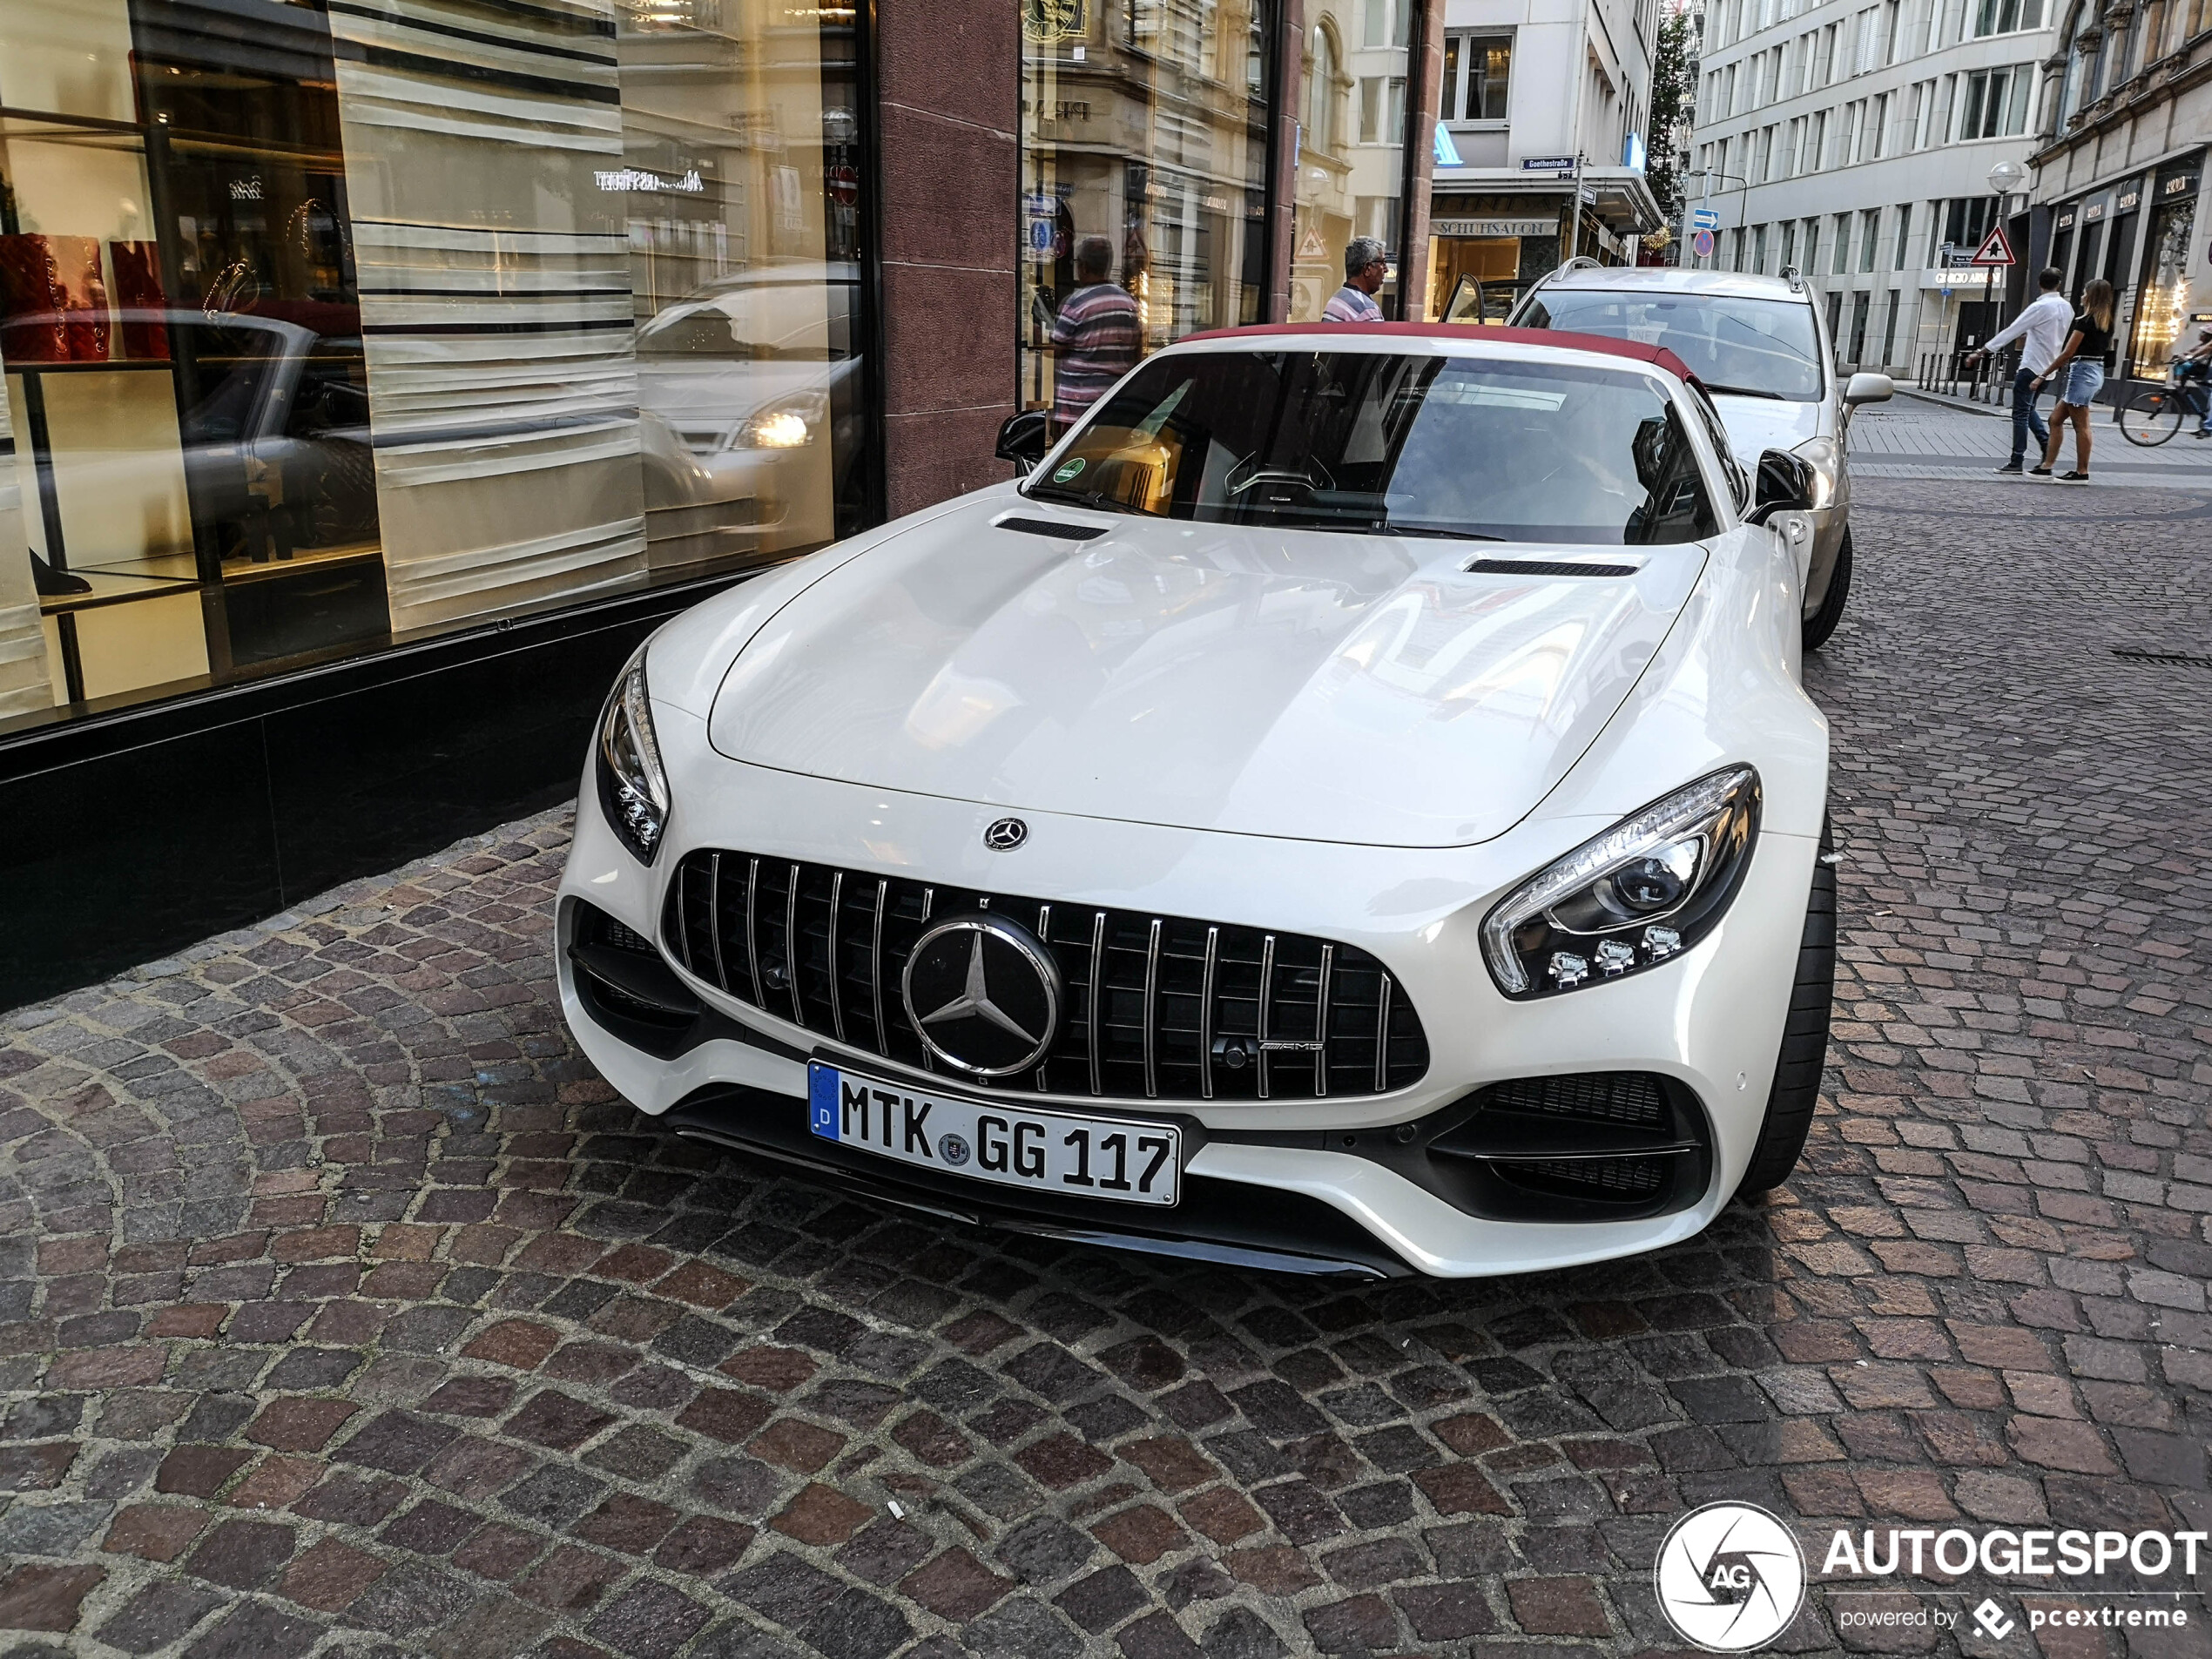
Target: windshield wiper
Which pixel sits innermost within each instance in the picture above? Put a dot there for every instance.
(1093, 498)
(1742, 391)
(1433, 533)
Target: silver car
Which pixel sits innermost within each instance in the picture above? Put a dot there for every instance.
(1760, 346)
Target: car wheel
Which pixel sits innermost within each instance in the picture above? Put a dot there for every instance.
(1823, 622)
(1804, 1039)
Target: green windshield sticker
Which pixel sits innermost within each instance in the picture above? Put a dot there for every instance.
(1067, 471)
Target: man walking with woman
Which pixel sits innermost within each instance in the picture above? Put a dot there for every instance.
(2040, 328)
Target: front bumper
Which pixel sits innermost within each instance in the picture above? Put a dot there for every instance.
(1709, 1023)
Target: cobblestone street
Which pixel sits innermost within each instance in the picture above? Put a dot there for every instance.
(343, 1309)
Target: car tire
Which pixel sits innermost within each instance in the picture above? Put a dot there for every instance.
(1823, 622)
(1804, 1039)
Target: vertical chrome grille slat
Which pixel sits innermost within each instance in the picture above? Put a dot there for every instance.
(1266, 1006)
(1321, 1023)
(837, 990)
(1206, 1016)
(752, 935)
(875, 966)
(713, 922)
(929, 904)
(1097, 977)
(1151, 1020)
(790, 949)
(1382, 1037)
(1044, 937)
(1182, 959)
(684, 911)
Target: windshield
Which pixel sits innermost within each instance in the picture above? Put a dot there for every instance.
(1388, 444)
(1748, 348)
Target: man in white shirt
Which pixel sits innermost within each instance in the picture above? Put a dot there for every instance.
(1365, 266)
(2041, 330)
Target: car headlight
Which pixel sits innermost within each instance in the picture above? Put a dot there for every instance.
(790, 425)
(633, 786)
(1827, 458)
(1631, 899)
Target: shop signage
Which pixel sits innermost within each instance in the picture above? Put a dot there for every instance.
(2096, 209)
(2182, 184)
(1495, 227)
(2128, 200)
(622, 180)
(2066, 219)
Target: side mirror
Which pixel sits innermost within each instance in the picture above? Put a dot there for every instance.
(1025, 437)
(1784, 485)
(1868, 388)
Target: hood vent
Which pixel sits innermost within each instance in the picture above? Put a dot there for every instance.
(1547, 567)
(1050, 527)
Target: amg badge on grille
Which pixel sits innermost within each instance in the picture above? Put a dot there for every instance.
(1006, 834)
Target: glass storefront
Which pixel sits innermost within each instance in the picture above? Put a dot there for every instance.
(1145, 129)
(1351, 150)
(2162, 300)
(327, 329)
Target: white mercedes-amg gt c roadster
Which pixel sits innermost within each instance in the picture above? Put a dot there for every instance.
(1350, 808)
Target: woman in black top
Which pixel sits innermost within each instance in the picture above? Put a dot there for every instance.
(2079, 373)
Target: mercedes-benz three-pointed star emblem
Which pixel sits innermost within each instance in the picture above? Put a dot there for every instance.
(984, 994)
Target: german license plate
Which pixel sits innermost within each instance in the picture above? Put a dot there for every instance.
(1045, 1152)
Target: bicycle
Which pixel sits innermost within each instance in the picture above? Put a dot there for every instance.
(2155, 413)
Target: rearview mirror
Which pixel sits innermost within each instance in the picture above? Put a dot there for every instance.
(1025, 437)
(1784, 485)
(1868, 388)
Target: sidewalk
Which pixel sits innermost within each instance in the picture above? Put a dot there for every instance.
(1923, 434)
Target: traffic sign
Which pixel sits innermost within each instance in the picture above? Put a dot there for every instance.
(1547, 163)
(1702, 244)
(1994, 249)
(1704, 219)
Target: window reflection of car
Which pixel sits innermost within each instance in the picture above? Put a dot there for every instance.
(749, 409)
(273, 416)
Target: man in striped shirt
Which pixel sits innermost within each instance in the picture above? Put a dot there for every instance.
(1096, 336)
(1365, 265)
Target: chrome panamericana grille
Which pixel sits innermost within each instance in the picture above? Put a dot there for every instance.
(1157, 1008)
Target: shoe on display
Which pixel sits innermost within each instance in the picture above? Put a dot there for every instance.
(52, 583)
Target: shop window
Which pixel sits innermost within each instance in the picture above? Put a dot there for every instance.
(1144, 133)
(2161, 303)
(349, 328)
(1477, 74)
(1996, 101)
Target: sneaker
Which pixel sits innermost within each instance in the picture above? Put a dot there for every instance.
(2073, 477)
(2016, 467)
(2201, 433)
(2038, 472)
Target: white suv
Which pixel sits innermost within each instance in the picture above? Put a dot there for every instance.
(1759, 345)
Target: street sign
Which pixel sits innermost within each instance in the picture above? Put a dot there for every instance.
(1547, 163)
(1994, 249)
(1589, 196)
(1702, 244)
(1704, 219)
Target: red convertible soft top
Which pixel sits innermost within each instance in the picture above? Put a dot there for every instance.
(1563, 339)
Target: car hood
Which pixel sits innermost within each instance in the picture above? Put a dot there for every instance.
(1341, 688)
(1758, 424)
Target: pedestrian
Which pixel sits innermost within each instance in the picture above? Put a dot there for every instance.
(2078, 372)
(1096, 336)
(1365, 264)
(2040, 328)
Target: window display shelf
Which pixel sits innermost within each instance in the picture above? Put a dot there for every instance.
(240, 571)
(112, 587)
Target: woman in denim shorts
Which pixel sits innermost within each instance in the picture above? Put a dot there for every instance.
(2079, 373)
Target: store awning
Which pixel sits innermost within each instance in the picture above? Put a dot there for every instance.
(1623, 201)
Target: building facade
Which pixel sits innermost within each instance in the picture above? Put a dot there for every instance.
(2120, 180)
(1856, 142)
(376, 379)
(1522, 83)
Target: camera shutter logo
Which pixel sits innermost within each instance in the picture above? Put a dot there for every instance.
(1730, 1577)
